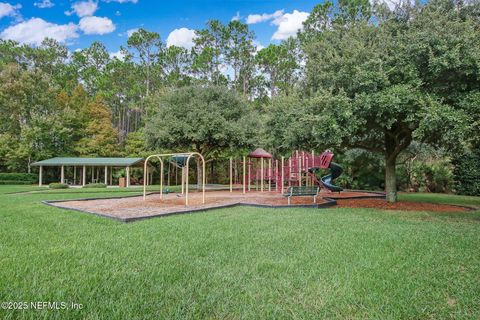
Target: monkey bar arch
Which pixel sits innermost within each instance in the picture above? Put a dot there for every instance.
(160, 157)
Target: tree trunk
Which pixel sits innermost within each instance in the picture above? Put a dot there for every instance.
(390, 178)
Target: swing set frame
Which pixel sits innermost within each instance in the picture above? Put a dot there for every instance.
(185, 172)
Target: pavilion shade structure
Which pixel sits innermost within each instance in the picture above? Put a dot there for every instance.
(112, 162)
(99, 169)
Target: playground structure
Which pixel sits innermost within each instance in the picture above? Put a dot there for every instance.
(261, 171)
(300, 169)
(281, 183)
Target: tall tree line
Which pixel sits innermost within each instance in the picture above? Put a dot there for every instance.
(358, 75)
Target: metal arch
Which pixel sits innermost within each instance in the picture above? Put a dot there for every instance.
(145, 175)
(189, 155)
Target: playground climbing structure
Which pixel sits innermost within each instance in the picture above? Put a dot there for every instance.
(264, 173)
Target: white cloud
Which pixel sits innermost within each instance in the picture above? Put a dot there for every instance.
(8, 10)
(119, 55)
(236, 17)
(44, 4)
(131, 31)
(33, 31)
(118, 13)
(392, 4)
(182, 37)
(96, 25)
(83, 8)
(288, 24)
(128, 33)
(122, 1)
(257, 18)
(258, 46)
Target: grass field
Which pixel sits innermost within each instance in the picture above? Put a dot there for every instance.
(240, 263)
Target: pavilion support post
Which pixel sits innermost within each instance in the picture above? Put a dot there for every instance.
(127, 169)
(74, 175)
(93, 173)
(261, 174)
(62, 174)
(111, 176)
(40, 176)
(283, 175)
(244, 169)
(106, 175)
(84, 175)
(231, 177)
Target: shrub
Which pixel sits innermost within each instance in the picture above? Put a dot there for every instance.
(466, 174)
(13, 182)
(18, 178)
(56, 185)
(95, 185)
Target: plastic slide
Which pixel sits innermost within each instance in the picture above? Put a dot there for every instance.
(327, 181)
(335, 171)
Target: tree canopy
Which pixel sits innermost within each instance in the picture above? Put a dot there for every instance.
(359, 74)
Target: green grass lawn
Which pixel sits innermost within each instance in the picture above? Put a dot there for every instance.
(240, 263)
(441, 198)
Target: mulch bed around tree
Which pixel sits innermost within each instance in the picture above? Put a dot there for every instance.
(401, 205)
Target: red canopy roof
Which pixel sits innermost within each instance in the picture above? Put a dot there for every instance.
(259, 153)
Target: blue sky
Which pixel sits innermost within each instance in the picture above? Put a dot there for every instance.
(79, 23)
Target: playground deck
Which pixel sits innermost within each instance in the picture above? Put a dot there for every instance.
(134, 208)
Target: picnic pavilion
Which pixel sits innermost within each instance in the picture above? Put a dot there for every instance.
(97, 170)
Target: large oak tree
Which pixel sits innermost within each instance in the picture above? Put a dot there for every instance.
(403, 71)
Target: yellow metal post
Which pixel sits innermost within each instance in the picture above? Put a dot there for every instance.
(161, 179)
(186, 183)
(270, 174)
(231, 182)
(276, 175)
(299, 163)
(244, 169)
(183, 180)
(249, 175)
(261, 174)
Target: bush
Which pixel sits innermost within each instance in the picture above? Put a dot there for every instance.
(466, 174)
(57, 185)
(95, 185)
(18, 178)
(7, 182)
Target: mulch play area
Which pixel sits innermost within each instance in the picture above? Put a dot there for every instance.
(134, 208)
(401, 205)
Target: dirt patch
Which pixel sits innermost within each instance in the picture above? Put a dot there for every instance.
(135, 207)
(401, 205)
(350, 194)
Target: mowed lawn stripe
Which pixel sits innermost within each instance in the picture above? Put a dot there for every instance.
(240, 263)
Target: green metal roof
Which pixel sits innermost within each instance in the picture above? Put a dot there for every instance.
(114, 162)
